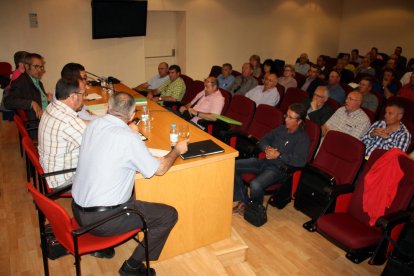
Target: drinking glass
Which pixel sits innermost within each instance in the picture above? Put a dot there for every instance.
(183, 131)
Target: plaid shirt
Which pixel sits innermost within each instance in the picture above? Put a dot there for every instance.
(355, 123)
(398, 139)
(175, 89)
(60, 136)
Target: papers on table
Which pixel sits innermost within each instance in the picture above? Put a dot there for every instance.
(158, 152)
(93, 96)
(98, 109)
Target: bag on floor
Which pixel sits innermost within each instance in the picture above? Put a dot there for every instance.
(53, 248)
(255, 213)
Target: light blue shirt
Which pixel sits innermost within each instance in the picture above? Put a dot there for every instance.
(337, 93)
(111, 154)
(225, 83)
(156, 81)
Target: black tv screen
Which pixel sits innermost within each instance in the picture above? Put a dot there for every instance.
(119, 18)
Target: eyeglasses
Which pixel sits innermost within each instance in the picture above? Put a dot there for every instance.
(319, 96)
(290, 117)
(37, 66)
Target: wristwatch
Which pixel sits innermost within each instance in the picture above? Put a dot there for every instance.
(197, 113)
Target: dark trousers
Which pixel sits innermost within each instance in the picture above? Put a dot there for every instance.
(160, 220)
(265, 177)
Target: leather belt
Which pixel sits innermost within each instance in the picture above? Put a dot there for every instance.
(96, 208)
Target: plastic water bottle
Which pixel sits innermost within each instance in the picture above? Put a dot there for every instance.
(145, 115)
(173, 135)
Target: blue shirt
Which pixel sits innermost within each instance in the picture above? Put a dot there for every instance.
(225, 83)
(337, 93)
(111, 154)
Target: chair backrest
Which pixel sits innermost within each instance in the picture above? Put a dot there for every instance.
(188, 81)
(281, 89)
(235, 73)
(5, 69)
(333, 104)
(292, 95)
(265, 119)
(196, 87)
(404, 193)
(370, 114)
(57, 217)
(23, 115)
(300, 79)
(341, 156)
(360, 76)
(241, 109)
(215, 71)
(347, 88)
(227, 99)
(314, 133)
(20, 126)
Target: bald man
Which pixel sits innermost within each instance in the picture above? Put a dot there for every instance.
(350, 118)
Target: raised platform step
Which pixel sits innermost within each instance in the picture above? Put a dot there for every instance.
(226, 257)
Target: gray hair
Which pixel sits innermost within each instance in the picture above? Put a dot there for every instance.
(121, 105)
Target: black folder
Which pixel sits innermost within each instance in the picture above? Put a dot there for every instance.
(201, 148)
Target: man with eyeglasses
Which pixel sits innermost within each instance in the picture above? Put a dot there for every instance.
(318, 110)
(350, 118)
(60, 131)
(27, 91)
(266, 93)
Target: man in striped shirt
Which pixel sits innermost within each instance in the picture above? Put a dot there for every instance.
(388, 133)
(60, 131)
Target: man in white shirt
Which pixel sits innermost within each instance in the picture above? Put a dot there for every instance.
(155, 81)
(267, 93)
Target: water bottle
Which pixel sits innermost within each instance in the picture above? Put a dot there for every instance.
(145, 116)
(173, 135)
(111, 89)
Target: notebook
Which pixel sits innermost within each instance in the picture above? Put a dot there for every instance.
(201, 148)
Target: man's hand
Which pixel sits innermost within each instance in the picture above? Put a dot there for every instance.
(181, 147)
(182, 109)
(271, 153)
(381, 132)
(192, 111)
(37, 109)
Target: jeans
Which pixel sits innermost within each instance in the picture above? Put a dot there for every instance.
(265, 177)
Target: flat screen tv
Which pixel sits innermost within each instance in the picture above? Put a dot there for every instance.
(119, 18)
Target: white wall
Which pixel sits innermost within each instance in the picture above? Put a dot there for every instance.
(216, 31)
(381, 23)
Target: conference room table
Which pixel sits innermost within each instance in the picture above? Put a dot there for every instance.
(201, 189)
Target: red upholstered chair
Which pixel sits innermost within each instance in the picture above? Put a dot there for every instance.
(196, 87)
(215, 71)
(40, 176)
(77, 240)
(23, 132)
(227, 99)
(235, 73)
(333, 104)
(281, 90)
(241, 109)
(188, 81)
(265, 119)
(292, 95)
(348, 89)
(300, 79)
(5, 72)
(350, 228)
(337, 162)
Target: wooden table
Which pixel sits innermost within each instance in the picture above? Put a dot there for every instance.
(201, 189)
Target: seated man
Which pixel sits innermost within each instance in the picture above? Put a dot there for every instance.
(407, 91)
(350, 118)
(346, 75)
(336, 91)
(27, 91)
(60, 131)
(19, 59)
(365, 67)
(385, 85)
(267, 93)
(205, 104)
(172, 90)
(388, 133)
(355, 56)
(369, 100)
(302, 67)
(226, 79)
(111, 154)
(287, 145)
(156, 81)
(312, 80)
(318, 110)
(243, 82)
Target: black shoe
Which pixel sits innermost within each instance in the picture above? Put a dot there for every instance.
(128, 270)
(107, 253)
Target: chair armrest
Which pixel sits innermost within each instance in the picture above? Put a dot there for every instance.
(58, 191)
(44, 175)
(391, 220)
(85, 229)
(338, 190)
